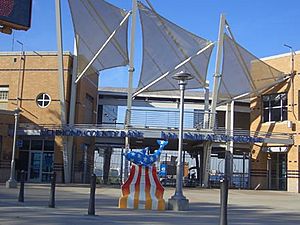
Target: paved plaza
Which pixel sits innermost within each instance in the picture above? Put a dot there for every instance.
(245, 207)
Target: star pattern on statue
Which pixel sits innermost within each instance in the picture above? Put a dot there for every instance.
(142, 158)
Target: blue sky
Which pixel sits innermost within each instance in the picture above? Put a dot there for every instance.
(261, 26)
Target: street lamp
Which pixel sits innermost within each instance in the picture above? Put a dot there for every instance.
(12, 183)
(292, 57)
(178, 201)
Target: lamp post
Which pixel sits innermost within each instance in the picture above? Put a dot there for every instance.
(178, 201)
(12, 183)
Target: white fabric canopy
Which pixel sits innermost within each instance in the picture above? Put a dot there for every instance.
(165, 47)
(94, 21)
(243, 74)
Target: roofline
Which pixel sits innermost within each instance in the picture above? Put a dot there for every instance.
(34, 53)
(279, 56)
(155, 94)
(113, 91)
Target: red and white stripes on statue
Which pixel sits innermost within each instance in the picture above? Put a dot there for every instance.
(142, 190)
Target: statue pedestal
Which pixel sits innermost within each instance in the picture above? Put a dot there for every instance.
(142, 190)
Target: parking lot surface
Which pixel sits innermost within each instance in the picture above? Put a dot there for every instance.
(245, 207)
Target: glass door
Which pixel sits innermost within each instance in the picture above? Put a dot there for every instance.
(35, 166)
(47, 168)
(279, 171)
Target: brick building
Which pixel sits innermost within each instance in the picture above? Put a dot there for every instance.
(29, 82)
(277, 166)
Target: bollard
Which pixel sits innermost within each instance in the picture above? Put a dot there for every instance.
(223, 201)
(52, 191)
(21, 192)
(91, 210)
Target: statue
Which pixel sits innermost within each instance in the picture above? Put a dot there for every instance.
(142, 189)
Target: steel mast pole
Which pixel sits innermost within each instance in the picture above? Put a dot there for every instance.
(217, 78)
(130, 81)
(61, 86)
(72, 108)
(217, 74)
(131, 62)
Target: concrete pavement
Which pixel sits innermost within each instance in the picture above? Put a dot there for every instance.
(245, 207)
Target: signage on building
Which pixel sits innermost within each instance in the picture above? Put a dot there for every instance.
(90, 133)
(275, 149)
(213, 137)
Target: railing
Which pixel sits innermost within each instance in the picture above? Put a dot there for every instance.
(194, 121)
(168, 119)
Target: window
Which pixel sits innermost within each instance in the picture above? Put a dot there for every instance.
(43, 100)
(3, 97)
(48, 145)
(37, 145)
(274, 107)
(25, 145)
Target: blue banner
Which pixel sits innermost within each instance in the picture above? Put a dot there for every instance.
(90, 133)
(213, 137)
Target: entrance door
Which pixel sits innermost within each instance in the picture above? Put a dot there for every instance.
(47, 168)
(278, 171)
(35, 166)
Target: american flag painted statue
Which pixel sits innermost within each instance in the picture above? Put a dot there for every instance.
(142, 189)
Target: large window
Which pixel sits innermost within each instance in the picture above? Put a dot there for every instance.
(274, 107)
(36, 158)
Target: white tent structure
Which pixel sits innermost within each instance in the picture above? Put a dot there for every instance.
(167, 50)
(238, 74)
(243, 74)
(101, 37)
(101, 42)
